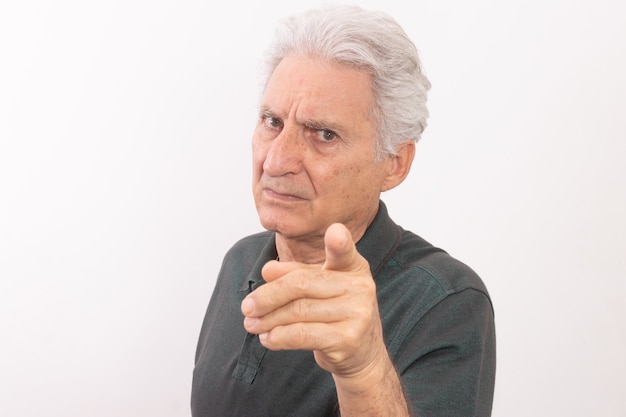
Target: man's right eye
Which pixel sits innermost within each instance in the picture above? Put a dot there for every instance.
(273, 122)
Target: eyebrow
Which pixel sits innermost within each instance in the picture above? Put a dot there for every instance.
(266, 112)
(317, 124)
(321, 124)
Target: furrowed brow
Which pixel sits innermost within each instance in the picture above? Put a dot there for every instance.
(267, 112)
(321, 124)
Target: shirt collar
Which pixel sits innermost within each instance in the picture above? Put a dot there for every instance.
(254, 279)
(380, 240)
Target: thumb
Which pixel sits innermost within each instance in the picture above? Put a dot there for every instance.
(341, 253)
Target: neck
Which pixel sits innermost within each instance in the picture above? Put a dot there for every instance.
(308, 252)
(310, 249)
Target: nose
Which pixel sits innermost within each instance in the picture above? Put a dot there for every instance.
(285, 154)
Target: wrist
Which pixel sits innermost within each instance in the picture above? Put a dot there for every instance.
(371, 376)
(374, 391)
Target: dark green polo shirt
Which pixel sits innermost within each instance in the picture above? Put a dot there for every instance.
(437, 320)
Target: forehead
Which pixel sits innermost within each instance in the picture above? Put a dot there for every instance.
(308, 88)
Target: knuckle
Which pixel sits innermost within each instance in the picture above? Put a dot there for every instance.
(301, 335)
(294, 285)
(300, 309)
(301, 284)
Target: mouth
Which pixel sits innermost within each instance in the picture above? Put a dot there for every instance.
(281, 195)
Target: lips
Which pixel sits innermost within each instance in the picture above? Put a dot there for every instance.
(281, 190)
(280, 194)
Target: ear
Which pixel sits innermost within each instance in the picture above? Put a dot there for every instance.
(399, 165)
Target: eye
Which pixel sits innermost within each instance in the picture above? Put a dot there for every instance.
(272, 122)
(326, 135)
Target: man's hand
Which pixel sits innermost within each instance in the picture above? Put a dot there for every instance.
(330, 309)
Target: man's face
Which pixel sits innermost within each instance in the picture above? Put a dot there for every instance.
(314, 150)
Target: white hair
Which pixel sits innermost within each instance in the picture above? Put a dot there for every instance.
(368, 41)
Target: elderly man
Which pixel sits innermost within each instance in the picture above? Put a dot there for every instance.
(335, 309)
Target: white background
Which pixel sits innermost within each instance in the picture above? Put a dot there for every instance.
(124, 177)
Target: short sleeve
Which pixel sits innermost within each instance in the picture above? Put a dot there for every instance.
(447, 363)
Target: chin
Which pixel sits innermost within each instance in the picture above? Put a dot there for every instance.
(272, 221)
(282, 226)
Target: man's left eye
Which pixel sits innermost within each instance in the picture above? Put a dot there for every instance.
(327, 135)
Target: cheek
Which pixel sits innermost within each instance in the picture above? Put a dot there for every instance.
(364, 183)
(347, 183)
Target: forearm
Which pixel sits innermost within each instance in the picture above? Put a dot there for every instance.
(376, 392)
